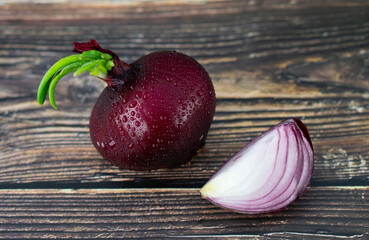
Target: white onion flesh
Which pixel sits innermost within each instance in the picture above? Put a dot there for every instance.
(268, 174)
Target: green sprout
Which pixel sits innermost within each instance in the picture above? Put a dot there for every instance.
(97, 63)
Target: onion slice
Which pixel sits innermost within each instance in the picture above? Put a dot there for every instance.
(268, 174)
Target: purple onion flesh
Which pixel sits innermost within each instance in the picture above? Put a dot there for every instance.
(268, 174)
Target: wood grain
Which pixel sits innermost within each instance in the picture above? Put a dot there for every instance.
(269, 61)
(181, 213)
(49, 147)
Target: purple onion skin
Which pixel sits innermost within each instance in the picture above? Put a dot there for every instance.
(241, 201)
(160, 116)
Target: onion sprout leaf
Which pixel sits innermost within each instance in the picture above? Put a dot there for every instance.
(97, 63)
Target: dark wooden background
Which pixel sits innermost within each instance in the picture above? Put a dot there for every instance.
(269, 60)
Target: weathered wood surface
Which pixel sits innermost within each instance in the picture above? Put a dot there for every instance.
(43, 147)
(269, 60)
(158, 213)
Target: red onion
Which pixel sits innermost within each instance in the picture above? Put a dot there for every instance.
(266, 175)
(154, 113)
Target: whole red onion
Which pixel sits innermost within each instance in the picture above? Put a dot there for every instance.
(154, 113)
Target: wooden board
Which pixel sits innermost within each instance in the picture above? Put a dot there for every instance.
(181, 213)
(269, 60)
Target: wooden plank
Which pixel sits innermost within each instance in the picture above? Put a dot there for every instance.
(269, 60)
(231, 34)
(323, 213)
(46, 146)
(276, 41)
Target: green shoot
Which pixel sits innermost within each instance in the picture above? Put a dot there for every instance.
(97, 63)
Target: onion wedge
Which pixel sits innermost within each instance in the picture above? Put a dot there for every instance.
(268, 174)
